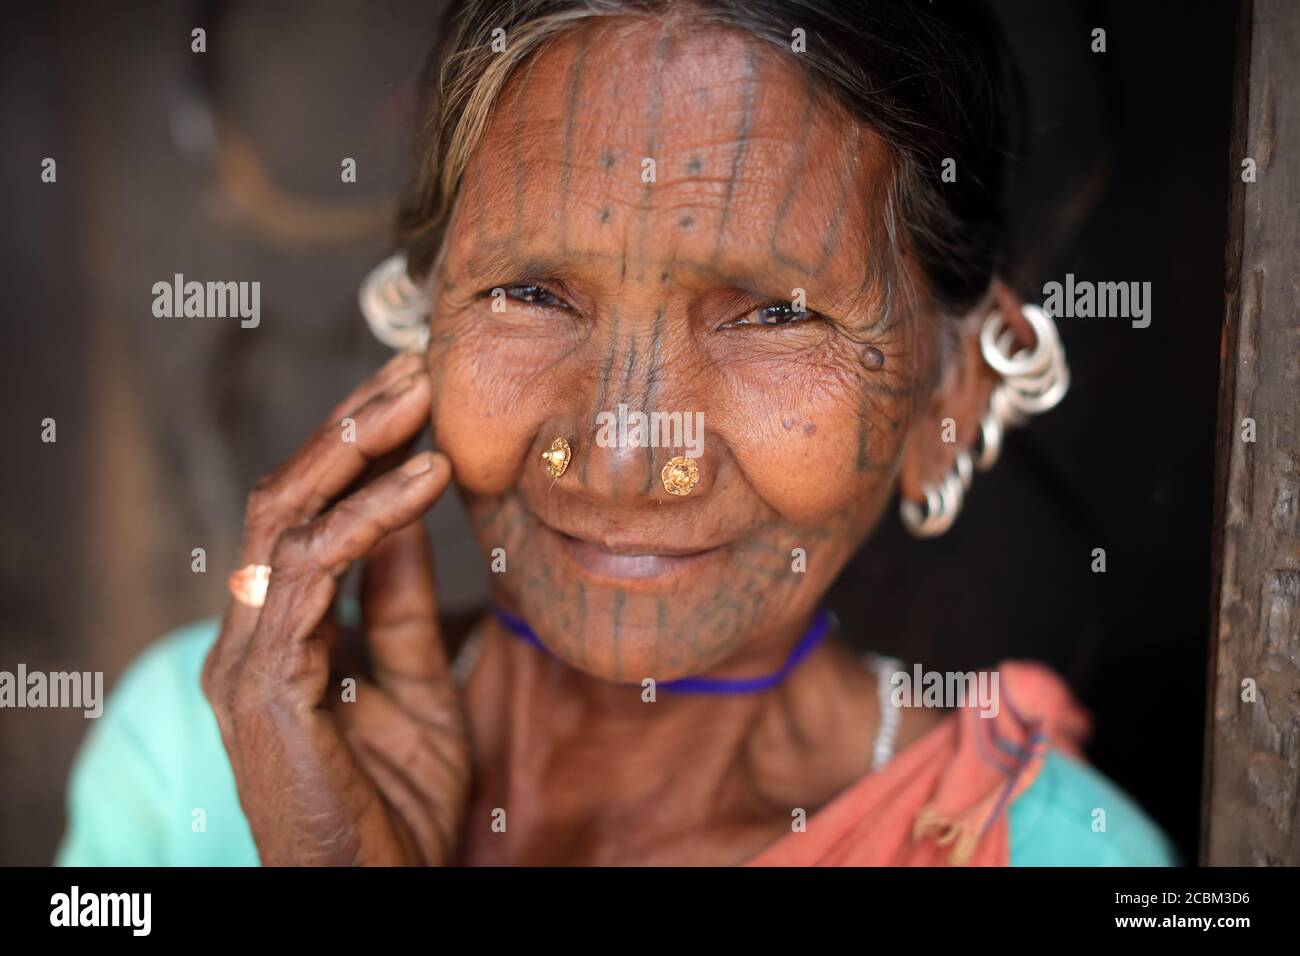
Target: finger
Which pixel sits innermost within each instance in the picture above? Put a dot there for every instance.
(387, 461)
(400, 609)
(285, 654)
(332, 460)
(271, 508)
(422, 774)
(302, 487)
(398, 367)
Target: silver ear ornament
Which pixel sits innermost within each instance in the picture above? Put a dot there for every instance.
(1034, 380)
(395, 308)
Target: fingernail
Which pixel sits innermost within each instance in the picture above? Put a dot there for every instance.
(418, 465)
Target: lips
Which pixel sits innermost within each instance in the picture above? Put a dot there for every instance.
(624, 558)
(631, 562)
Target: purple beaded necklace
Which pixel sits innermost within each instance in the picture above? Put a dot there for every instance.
(703, 685)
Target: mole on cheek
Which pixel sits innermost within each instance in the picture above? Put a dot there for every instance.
(873, 358)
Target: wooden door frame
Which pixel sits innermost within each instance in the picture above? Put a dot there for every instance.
(1250, 810)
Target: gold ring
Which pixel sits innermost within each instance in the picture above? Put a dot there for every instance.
(248, 584)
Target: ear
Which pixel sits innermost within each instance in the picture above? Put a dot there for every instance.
(948, 422)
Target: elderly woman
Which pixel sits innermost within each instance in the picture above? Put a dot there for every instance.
(632, 218)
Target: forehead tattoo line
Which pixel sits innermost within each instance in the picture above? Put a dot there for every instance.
(795, 172)
(841, 203)
(470, 198)
(520, 164)
(748, 97)
(651, 118)
(874, 273)
(574, 83)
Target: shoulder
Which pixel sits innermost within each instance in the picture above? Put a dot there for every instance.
(167, 672)
(159, 698)
(1072, 815)
(152, 783)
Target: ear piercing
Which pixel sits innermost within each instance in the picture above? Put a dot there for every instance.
(680, 475)
(557, 457)
(1034, 380)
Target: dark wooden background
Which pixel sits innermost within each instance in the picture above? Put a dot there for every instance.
(1252, 802)
(226, 166)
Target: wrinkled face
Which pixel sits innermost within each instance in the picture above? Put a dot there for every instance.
(647, 202)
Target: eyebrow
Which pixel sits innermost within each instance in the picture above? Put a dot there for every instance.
(503, 257)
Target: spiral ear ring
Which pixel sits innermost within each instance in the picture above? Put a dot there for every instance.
(557, 457)
(680, 475)
(942, 503)
(1034, 381)
(395, 308)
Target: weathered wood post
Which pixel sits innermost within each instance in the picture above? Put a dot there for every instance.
(1251, 797)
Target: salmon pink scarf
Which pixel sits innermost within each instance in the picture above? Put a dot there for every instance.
(943, 800)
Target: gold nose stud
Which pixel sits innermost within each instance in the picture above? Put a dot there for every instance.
(557, 457)
(680, 475)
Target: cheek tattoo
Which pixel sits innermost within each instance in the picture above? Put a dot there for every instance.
(647, 344)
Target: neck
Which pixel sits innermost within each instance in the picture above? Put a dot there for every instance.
(587, 768)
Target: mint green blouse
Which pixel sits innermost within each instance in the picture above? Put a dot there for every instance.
(152, 785)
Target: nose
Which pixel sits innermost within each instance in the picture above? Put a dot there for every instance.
(617, 467)
(637, 418)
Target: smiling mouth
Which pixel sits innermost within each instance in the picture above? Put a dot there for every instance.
(629, 561)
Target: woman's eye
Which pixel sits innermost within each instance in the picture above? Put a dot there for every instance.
(534, 295)
(778, 313)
